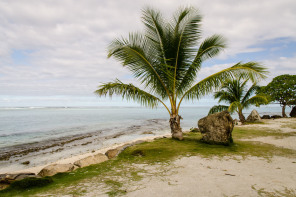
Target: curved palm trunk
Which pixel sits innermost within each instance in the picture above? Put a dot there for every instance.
(284, 111)
(241, 116)
(176, 129)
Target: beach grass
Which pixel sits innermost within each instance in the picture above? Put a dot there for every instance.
(290, 125)
(116, 175)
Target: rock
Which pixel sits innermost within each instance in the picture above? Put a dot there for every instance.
(56, 168)
(216, 128)
(99, 158)
(147, 132)
(23, 176)
(9, 178)
(265, 117)
(112, 153)
(254, 116)
(275, 116)
(26, 162)
(293, 112)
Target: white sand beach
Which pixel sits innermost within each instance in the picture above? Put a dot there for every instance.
(197, 176)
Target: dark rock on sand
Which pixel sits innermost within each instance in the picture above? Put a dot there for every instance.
(275, 116)
(265, 117)
(254, 116)
(293, 112)
(217, 128)
(26, 162)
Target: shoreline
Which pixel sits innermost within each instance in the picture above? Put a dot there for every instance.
(78, 157)
(24, 157)
(72, 159)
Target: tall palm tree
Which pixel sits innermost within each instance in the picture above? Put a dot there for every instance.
(235, 93)
(166, 59)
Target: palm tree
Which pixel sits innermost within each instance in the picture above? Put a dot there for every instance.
(235, 93)
(166, 59)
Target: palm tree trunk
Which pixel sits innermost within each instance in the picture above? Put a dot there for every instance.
(176, 129)
(241, 117)
(284, 111)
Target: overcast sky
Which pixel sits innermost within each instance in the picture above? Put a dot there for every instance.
(53, 53)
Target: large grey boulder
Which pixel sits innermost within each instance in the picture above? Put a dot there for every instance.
(216, 128)
(56, 168)
(99, 158)
(293, 112)
(254, 116)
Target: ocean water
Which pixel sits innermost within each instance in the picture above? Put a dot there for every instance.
(46, 135)
(28, 125)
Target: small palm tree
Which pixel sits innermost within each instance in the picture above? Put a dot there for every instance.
(235, 93)
(166, 59)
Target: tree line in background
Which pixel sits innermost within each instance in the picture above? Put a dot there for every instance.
(282, 90)
(235, 92)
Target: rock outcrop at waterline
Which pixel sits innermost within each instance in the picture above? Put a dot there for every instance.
(254, 116)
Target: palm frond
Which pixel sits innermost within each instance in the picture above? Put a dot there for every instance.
(209, 48)
(251, 70)
(250, 91)
(235, 106)
(186, 35)
(224, 96)
(155, 32)
(132, 54)
(255, 100)
(129, 92)
(218, 108)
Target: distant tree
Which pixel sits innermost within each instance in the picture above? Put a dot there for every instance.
(281, 89)
(236, 93)
(166, 59)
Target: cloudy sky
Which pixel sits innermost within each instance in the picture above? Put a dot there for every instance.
(53, 52)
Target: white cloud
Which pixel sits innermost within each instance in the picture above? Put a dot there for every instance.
(68, 39)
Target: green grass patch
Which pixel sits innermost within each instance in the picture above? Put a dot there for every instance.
(117, 174)
(247, 133)
(289, 125)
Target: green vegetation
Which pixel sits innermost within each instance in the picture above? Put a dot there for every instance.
(116, 177)
(290, 125)
(235, 93)
(166, 59)
(30, 183)
(281, 89)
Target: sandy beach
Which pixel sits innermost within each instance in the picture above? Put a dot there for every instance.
(227, 176)
(203, 176)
